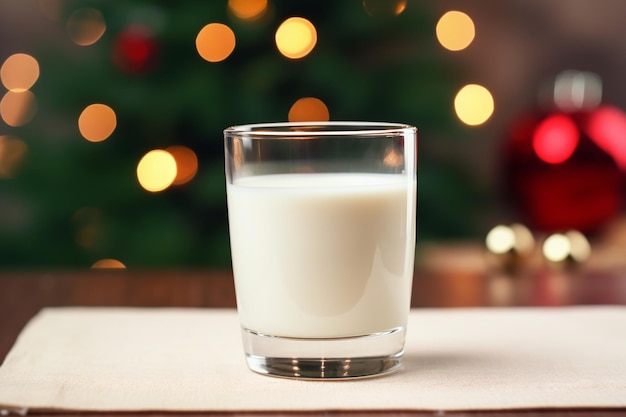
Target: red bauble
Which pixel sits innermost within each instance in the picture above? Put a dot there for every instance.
(135, 50)
(566, 170)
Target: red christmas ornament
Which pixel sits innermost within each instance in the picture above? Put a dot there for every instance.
(135, 50)
(565, 168)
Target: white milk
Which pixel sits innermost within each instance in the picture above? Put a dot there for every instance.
(322, 255)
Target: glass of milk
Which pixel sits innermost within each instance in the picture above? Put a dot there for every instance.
(322, 220)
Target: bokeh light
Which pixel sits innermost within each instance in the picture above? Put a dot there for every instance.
(17, 109)
(156, 170)
(500, 239)
(108, 264)
(514, 238)
(215, 42)
(384, 8)
(556, 247)
(19, 72)
(473, 104)
(247, 9)
(455, 30)
(309, 109)
(296, 37)
(572, 245)
(556, 139)
(186, 163)
(97, 122)
(580, 249)
(85, 26)
(136, 50)
(607, 127)
(12, 152)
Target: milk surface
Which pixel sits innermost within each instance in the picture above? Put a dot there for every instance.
(322, 255)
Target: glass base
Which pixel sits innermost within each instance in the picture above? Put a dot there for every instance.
(332, 358)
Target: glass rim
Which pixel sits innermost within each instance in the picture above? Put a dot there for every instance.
(317, 129)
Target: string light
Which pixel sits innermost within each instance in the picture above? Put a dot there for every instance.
(308, 109)
(17, 109)
(247, 9)
(473, 104)
(156, 170)
(455, 30)
(97, 122)
(19, 72)
(215, 42)
(296, 37)
(85, 26)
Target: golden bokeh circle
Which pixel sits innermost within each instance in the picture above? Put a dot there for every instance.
(97, 122)
(108, 264)
(156, 170)
(215, 42)
(85, 26)
(455, 30)
(247, 9)
(296, 37)
(19, 72)
(186, 163)
(18, 108)
(309, 109)
(473, 104)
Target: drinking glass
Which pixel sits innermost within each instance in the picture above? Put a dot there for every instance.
(322, 220)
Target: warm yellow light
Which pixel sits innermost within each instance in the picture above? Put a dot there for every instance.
(455, 30)
(97, 122)
(524, 240)
(580, 247)
(215, 42)
(86, 26)
(557, 247)
(308, 109)
(384, 8)
(108, 264)
(12, 151)
(473, 104)
(156, 170)
(186, 163)
(17, 109)
(296, 37)
(19, 72)
(500, 239)
(247, 9)
(571, 245)
(504, 239)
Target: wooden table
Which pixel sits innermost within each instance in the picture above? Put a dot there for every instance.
(22, 294)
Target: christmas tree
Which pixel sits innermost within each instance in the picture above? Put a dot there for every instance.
(74, 195)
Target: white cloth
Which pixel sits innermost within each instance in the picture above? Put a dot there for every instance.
(130, 359)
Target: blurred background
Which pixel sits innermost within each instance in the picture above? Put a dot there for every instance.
(112, 116)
